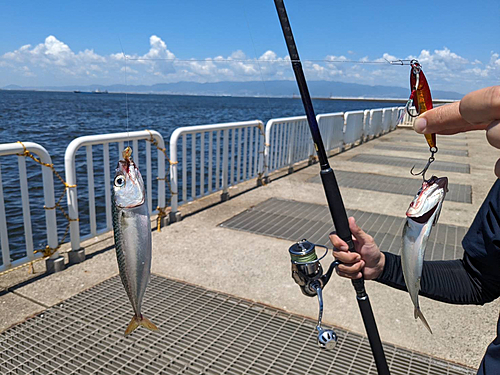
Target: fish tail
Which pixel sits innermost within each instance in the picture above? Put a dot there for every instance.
(418, 314)
(137, 321)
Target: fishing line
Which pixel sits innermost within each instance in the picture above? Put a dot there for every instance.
(284, 60)
(126, 91)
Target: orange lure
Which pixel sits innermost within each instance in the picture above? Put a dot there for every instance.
(421, 95)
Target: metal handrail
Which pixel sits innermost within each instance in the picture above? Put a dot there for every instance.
(49, 200)
(353, 131)
(242, 162)
(331, 126)
(105, 140)
(287, 141)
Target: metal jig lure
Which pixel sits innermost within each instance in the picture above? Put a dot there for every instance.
(422, 101)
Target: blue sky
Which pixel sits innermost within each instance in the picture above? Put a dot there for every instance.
(70, 42)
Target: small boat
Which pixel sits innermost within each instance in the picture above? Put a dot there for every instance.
(97, 91)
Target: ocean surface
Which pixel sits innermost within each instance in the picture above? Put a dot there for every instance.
(54, 119)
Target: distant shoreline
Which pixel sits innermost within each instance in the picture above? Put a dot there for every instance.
(340, 98)
(399, 100)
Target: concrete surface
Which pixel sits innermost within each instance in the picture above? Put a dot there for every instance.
(256, 267)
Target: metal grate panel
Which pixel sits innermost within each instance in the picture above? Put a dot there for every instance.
(202, 332)
(423, 149)
(442, 142)
(395, 185)
(293, 221)
(410, 162)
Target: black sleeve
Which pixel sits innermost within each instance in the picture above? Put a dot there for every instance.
(453, 281)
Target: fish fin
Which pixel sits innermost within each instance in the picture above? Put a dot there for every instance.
(140, 321)
(418, 314)
(146, 323)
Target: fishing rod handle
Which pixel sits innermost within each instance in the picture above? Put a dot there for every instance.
(336, 206)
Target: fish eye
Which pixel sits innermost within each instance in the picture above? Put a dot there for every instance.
(119, 181)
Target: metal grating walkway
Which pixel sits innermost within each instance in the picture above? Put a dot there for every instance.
(442, 142)
(395, 185)
(410, 162)
(423, 149)
(202, 332)
(293, 221)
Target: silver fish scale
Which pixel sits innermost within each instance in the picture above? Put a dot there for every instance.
(133, 251)
(120, 256)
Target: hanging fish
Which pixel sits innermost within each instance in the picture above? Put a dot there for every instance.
(422, 214)
(132, 232)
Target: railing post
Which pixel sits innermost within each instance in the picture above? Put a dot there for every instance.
(174, 180)
(161, 181)
(291, 146)
(4, 235)
(76, 254)
(225, 166)
(267, 152)
(55, 263)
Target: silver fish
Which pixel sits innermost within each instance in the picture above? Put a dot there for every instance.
(422, 214)
(132, 232)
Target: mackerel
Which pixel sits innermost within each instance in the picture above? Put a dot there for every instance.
(421, 216)
(132, 232)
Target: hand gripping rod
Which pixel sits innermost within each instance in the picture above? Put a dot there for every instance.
(335, 203)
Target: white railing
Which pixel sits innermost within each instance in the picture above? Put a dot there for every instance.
(104, 140)
(49, 200)
(375, 128)
(213, 157)
(288, 141)
(386, 120)
(395, 117)
(353, 132)
(331, 127)
(407, 119)
(203, 160)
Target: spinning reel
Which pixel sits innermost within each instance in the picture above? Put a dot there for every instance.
(308, 274)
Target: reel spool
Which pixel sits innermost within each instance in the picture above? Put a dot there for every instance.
(306, 266)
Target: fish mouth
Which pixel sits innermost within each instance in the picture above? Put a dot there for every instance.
(425, 217)
(442, 182)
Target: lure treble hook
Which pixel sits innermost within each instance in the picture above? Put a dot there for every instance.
(431, 159)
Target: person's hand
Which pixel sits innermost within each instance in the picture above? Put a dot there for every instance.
(367, 261)
(478, 110)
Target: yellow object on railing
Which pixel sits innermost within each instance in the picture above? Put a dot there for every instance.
(162, 211)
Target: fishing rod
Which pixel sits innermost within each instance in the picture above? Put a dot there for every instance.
(306, 269)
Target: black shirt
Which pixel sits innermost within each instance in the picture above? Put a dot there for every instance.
(475, 279)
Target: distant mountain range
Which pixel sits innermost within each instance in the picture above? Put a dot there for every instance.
(323, 89)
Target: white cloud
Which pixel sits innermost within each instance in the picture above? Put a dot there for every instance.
(54, 62)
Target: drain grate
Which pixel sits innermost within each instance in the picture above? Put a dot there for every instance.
(202, 332)
(446, 142)
(410, 162)
(395, 185)
(293, 221)
(423, 149)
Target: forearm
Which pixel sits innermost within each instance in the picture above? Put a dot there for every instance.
(453, 281)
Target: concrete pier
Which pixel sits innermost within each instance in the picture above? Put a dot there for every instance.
(200, 251)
